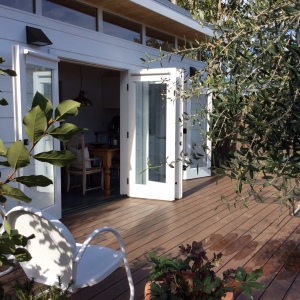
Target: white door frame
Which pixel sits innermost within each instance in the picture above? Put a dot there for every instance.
(21, 57)
(168, 190)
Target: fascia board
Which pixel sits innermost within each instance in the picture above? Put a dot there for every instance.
(172, 14)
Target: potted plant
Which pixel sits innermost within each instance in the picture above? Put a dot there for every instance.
(193, 277)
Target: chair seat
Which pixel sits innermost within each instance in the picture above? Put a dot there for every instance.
(96, 264)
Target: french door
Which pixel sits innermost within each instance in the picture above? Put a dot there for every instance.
(37, 71)
(154, 137)
(196, 144)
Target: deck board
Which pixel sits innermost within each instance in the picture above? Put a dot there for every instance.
(250, 237)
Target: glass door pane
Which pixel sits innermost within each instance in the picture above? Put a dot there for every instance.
(39, 79)
(197, 146)
(150, 132)
(37, 71)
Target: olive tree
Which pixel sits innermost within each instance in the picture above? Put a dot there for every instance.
(252, 71)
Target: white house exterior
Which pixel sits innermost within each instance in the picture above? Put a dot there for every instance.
(91, 49)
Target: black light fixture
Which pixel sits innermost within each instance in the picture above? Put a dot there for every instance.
(80, 98)
(36, 36)
(193, 71)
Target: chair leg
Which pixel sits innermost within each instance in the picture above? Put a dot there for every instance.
(129, 277)
(68, 182)
(126, 263)
(122, 247)
(83, 184)
(102, 180)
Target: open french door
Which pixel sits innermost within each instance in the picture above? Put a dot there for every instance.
(37, 71)
(154, 135)
(196, 145)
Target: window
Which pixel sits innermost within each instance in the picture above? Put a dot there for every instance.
(158, 39)
(26, 5)
(72, 12)
(122, 28)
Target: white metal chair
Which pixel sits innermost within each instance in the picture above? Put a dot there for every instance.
(55, 253)
(83, 165)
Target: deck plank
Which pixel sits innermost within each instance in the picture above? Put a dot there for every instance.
(250, 237)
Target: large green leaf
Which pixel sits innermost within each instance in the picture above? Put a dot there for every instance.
(20, 239)
(17, 155)
(21, 254)
(34, 180)
(35, 124)
(2, 199)
(3, 149)
(254, 275)
(44, 104)
(240, 274)
(65, 131)
(7, 226)
(4, 261)
(9, 72)
(56, 158)
(7, 244)
(65, 109)
(4, 163)
(6, 189)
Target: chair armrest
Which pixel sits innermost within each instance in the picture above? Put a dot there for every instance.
(93, 234)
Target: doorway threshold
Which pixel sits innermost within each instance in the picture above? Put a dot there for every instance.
(89, 202)
(74, 201)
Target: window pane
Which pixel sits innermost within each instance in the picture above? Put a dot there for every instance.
(122, 28)
(71, 12)
(157, 39)
(26, 5)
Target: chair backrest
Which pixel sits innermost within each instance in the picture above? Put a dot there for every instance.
(77, 146)
(53, 248)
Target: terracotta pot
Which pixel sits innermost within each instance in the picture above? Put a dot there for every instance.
(228, 296)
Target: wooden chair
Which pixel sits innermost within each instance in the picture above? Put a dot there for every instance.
(55, 253)
(83, 165)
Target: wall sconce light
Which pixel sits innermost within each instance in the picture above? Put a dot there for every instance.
(193, 71)
(80, 98)
(36, 36)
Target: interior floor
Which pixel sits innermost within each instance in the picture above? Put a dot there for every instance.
(74, 200)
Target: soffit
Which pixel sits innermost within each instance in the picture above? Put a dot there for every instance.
(148, 17)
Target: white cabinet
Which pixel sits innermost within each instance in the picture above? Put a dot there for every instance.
(111, 92)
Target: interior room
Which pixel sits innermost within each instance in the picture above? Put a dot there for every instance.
(99, 116)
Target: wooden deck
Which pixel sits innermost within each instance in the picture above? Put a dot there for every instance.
(253, 237)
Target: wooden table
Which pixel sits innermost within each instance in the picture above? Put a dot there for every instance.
(106, 154)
